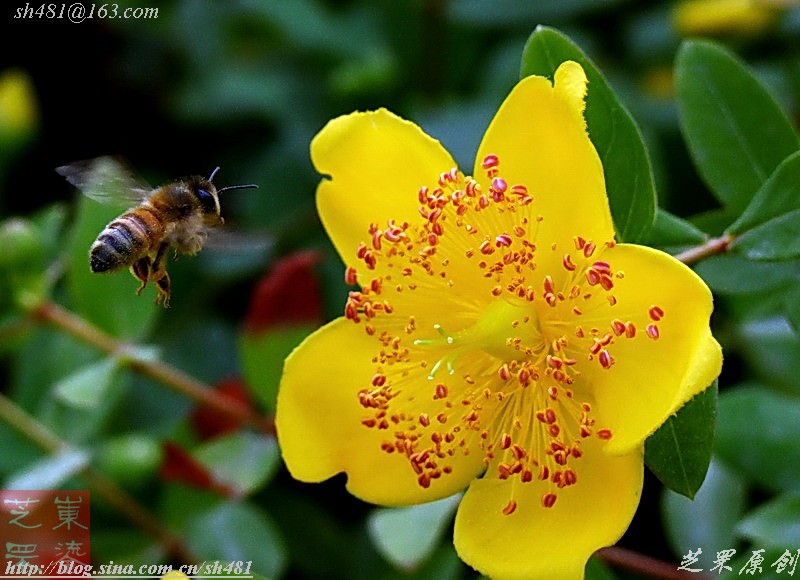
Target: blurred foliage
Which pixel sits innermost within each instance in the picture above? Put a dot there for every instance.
(709, 127)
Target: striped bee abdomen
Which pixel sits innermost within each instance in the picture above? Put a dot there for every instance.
(125, 240)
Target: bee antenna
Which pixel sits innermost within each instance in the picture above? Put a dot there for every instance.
(248, 186)
(213, 173)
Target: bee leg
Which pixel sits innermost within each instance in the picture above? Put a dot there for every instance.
(142, 272)
(158, 274)
(163, 286)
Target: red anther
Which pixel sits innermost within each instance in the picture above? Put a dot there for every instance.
(511, 506)
(490, 161)
(423, 420)
(350, 276)
(422, 194)
(549, 499)
(579, 243)
(589, 249)
(554, 361)
(378, 380)
(592, 277)
(549, 287)
(503, 240)
(656, 313)
(504, 373)
(424, 480)
(603, 267)
(618, 327)
(630, 330)
(606, 282)
(441, 391)
(652, 331)
(604, 434)
(499, 185)
(568, 263)
(505, 441)
(519, 189)
(605, 359)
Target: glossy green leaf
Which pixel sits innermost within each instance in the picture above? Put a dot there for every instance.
(596, 569)
(708, 520)
(406, 536)
(774, 524)
(736, 132)
(792, 304)
(757, 434)
(734, 274)
(670, 230)
(779, 195)
(233, 532)
(629, 177)
(262, 358)
(86, 387)
(244, 461)
(107, 300)
(679, 452)
(777, 239)
(771, 349)
(50, 472)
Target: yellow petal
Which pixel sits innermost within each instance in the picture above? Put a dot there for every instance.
(651, 379)
(540, 137)
(319, 423)
(376, 162)
(538, 542)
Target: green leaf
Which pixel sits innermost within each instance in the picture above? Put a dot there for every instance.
(734, 274)
(629, 177)
(238, 532)
(736, 132)
(107, 300)
(679, 452)
(778, 195)
(777, 239)
(708, 520)
(50, 472)
(670, 230)
(774, 524)
(792, 302)
(757, 434)
(407, 536)
(86, 387)
(771, 350)
(244, 461)
(262, 358)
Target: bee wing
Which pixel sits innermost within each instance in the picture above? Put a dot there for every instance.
(106, 180)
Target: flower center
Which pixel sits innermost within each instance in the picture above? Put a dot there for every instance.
(490, 334)
(480, 353)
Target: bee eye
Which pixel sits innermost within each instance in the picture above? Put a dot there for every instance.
(207, 201)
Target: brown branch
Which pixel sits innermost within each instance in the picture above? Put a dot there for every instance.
(712, 247)
(642, 564)
(170, 376)
(98, 482)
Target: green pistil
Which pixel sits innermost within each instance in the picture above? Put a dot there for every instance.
(493, 334)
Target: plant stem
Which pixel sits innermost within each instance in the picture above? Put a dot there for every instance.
(98, 483)
(170, 376)
(712, 247)
(641, 564)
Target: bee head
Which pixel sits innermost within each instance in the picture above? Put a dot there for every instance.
(208, 195)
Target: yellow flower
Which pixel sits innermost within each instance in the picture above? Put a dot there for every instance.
(747, 17)
(500, 341)
(18, 109)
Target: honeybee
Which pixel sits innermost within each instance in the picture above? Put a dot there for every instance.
(178, 214)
